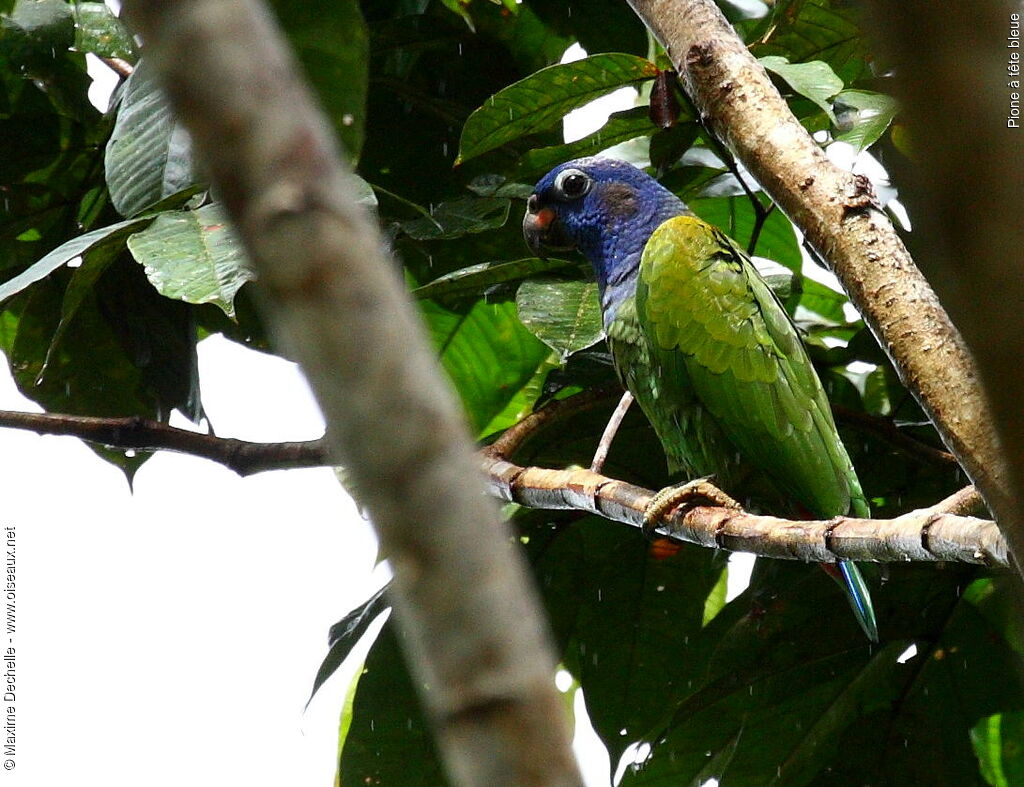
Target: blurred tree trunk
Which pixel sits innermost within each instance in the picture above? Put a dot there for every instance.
(476, 641)
(964, 190)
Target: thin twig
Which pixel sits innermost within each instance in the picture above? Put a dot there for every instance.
(612, 428)
(119, 66)
(886, 429)
(513, 438)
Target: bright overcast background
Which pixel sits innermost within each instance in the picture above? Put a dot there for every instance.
(171, 635)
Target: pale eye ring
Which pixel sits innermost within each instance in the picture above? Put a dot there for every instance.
(572, 183)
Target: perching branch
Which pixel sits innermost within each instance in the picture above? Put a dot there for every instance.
(241, 456)
(471, 624)
(838, 215)
(946, 531)
(942, 532)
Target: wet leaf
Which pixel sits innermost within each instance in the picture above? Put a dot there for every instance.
(99, 31)
(545, 97)
(874, 113)
(193, 256)
(114, 235)
(814, 80)
(345, 635)
(564, 314)
(149, 155)
(476, 280)
(459, 217)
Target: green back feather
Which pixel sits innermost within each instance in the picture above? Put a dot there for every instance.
(716, 336)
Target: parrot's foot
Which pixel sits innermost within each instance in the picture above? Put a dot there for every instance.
(699, 492)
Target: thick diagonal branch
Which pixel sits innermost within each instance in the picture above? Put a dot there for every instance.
(837, 213)
(473, 633)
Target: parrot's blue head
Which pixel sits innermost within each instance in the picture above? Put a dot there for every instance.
(605, 208)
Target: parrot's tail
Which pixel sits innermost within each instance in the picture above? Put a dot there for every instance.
(860, 598)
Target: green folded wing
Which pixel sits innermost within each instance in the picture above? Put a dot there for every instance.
(704, 308)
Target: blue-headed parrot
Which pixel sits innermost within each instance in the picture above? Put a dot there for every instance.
(705, 347)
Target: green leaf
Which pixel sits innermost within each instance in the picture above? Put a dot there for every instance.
(113, 235)
(488, 354)
(193, 256)
(545, 97)
(35, 29)
(668, 145)
(826, 30)
(387, 742)
(621, 127)
(564, 314)
(99, 31)
(627, 618)
(476, 280)
(875, 111)
(735, 217)
(824, 301)
(998, 742)
(461, 7)
(458, 217)
(345, 635)
(332, 44)
(149, 155)
(814, 80)
(780, 677)
(598, 25)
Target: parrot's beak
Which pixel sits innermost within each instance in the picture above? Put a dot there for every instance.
(542, 229)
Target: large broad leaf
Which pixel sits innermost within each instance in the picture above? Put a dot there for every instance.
(544, 98)
(564, 314)
(999, 745)
(193, 256)
(345, 635)
(735, 216)
(788, 688)
(874, 112)
(823, 301)
(98, 30)
(386, 741)
(621, 127)
(149, 155)
(476, 280)
(489, 357)
(598, 25)
(458, 217)
(814, 80)
(332, 43)
(114, 235)
(826, 30)
(627, 618)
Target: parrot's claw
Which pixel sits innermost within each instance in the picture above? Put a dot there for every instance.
(699, 492)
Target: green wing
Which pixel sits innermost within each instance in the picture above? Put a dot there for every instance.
(715, 332)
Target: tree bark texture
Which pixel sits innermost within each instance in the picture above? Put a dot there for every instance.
(839, 216)
(475, 639)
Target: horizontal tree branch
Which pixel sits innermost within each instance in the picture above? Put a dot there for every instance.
(141, 434)
(927, 534)
(943, 532)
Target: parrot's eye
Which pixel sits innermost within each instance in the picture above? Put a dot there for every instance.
(571, 184)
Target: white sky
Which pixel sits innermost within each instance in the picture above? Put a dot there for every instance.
(172, 636)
